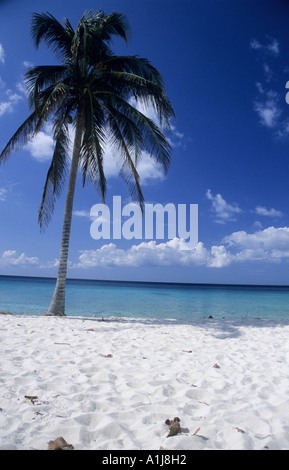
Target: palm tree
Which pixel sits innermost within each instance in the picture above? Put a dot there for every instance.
(92, 90)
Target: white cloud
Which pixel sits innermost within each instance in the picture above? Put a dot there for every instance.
(268, 104)
(81, 214)
(269, 238)
(172, 253)
(3, 194)
(9, 98)
(147, 168)
(256, 45)
(268, 72)
(260, 88)
(10, 258)
(270, 245)
(272, 47)
(41, 146)
(4, 107)
(268, 109)
(21, 87)
(268, 212)
(2, 54)
(52, 264)
(26, 63)
(9, 103)
(222, 209)
(219, 257)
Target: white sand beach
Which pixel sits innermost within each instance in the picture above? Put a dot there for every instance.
(111, 385)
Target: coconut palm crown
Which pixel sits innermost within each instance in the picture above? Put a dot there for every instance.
(91, 89)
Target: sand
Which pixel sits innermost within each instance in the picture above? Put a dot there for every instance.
(111, 385)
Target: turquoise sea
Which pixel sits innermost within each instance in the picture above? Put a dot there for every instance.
(31, 296)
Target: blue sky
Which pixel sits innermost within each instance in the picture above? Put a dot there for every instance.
(225, 66)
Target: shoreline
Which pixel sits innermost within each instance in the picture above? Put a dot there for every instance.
(112, 384)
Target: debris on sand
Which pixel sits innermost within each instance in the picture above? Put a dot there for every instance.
(174, 426)
(59, 444)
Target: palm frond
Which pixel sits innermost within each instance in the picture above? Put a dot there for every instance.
(147, 92)
(56, 176)
(46, 28)
(49, 100)
(103, 27)
(92, 147)
(94, 33)
(135, 65)
(152, 138)
(127, 168)
(40, 77)
(21, 136)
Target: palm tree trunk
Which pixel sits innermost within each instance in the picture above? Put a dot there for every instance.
(57, 305)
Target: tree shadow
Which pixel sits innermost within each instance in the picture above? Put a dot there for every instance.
(220, 328)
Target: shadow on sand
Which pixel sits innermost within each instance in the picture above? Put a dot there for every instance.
(220, 328)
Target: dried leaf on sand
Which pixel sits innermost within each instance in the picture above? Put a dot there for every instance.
(59, 444)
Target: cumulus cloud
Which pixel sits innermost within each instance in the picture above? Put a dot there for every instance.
(260, 210)
(11, 258)
(219, 257)
(149, 170)
(222, 210)
(269, 239)
(172, 253)
(270, 245)
(41, 146)
(52, 264)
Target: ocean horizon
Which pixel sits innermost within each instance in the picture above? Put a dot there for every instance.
(27, 295)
